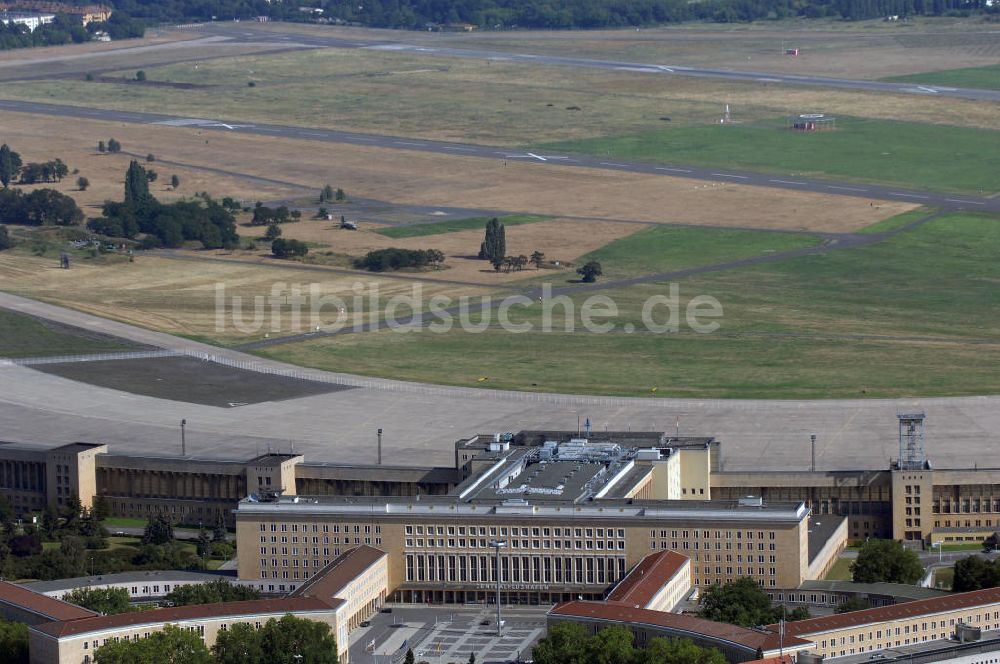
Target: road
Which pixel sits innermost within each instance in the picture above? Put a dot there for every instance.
(239, 33)
(731, 175)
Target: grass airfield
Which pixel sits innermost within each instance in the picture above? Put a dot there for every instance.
(841, 323)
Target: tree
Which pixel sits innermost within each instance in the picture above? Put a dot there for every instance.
(151, 175)
(219, 531)
(975, 573)
(743, 602)
(175, 181)
(297, 641)
(282, 248)
(239, 644)
(101, 147)
(140, 75)
(204, 545)
(137, 196)
(108, 601)
(472, 658)
(326, 194)
(10, 164)
(172, 645)
(158, 530)
(114, 146)
(409, 656)
(100, 510)
(537, 258)
(853, 604)
(340, 195)
(14, 642)
(886, 561)
(589, 272)
(82, 183)
(5, 241)
(150, 157)
(494, 246)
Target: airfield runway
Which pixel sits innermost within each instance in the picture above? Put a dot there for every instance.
(734, 176)
(421, 422)
(238, 33)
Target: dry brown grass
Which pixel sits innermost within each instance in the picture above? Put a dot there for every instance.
(430, 179)
(179, 296)
(559, 239)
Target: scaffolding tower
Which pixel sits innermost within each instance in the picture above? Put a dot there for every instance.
(912, 455)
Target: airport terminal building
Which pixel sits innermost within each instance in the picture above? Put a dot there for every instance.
(561, 520)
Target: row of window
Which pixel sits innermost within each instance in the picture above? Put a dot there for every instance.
(462, 543)
(315, 527)
(514, 569)
(707, 546)
(505, 531)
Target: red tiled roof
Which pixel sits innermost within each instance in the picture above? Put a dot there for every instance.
(178, 613)
(621, 613)
(647, 578)
(785, 659)
(896, 612)
(333, 578)
(44, 606)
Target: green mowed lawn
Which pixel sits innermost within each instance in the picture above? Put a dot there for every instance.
(970, 77)
(933, 157)
(661, 249)
(24, 336)
(850, 323)
(455, 225)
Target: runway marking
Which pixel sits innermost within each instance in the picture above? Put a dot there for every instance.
(730, 175)
(833, 186)
(787, 182)
(314, 133)
(769, 80)
(358, 138)
(955, 200)
(450, 147)
(896, 193)
(409, 143)
(672, 170)
(273, 131)
(608, 163)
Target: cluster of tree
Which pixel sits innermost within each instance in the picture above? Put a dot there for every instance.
(167, 225)
(48, 171)
(11, 168)
(570, 643)
(976, 573)
(386, 260)
(328, 194)
(743, 602)
(282, 248)
(64, 29)
(112, 146)
(108, 601)
(76, 531)
(14, 642)
(290, 639)
(214, 545)
(210, 593)
(265, 216)
(42, 207)
(886, 561)
(511, 263)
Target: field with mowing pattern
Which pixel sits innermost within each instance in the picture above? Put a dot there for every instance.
(934, 157)
(849, 323)
(969, 77)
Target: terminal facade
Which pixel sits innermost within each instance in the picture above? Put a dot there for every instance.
(911, 500)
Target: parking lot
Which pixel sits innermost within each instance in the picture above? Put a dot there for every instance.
(443, 634)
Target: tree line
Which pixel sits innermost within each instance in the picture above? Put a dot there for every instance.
(587, 14)
(570, 643)
(386, 260)
(289, 640)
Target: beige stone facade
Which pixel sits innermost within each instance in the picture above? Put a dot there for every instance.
(441, 551)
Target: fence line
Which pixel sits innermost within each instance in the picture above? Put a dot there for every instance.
(91, 357)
